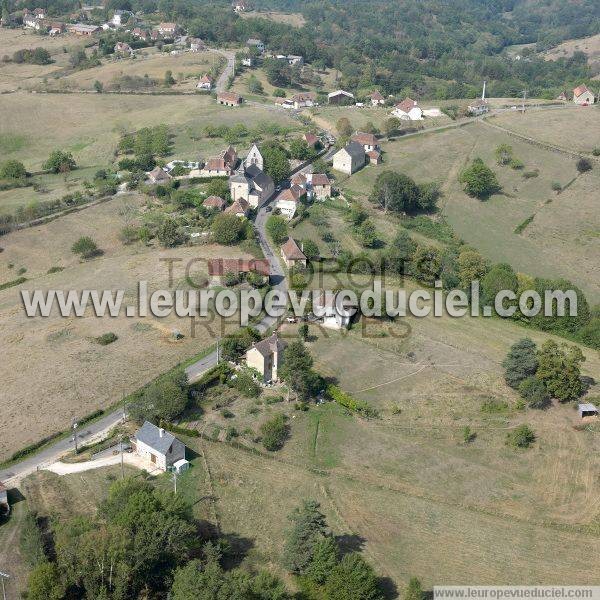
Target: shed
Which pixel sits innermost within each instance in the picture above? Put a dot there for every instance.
(587, 410)
(181, 465)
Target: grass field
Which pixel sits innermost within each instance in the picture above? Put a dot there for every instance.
(293, 19)
(52, 368)
(569, 220)
(589, 45)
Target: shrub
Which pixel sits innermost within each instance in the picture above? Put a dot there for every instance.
(584, 165)
(520, 437)
(274, 432)
(534, 392)
(277, 228)
(245, 384)
(596, 151)
(479, 180)
(349, 402)
(521, 362)
(107, 338)
(227, 229)
(227, 414)
(556, 186)
(12, 169)
(86, 247)
(59, 162)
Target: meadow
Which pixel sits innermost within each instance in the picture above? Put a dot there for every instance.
(562, 239)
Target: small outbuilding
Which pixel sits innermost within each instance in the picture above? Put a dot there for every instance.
(587, 410)
(181, 465)
(160, 447)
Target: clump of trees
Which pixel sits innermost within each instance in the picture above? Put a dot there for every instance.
(276, 161)
(277, 228)
(274, 432)
(297, 371)
(59, 162)
(400, 194)
(37, 56)
(312, 553)
(553, 371)
(228, 229)
(165, 400)
(479, 180)
(13, 170)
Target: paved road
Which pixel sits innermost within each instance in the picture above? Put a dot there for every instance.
(228, 71)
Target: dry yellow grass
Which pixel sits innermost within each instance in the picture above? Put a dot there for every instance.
(589, 45)
(293, 19)
(52, 369)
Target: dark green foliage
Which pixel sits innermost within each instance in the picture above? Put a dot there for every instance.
(59, 162)
(227, 229)
(164, 399)
(366, 234)
(534, 392)
(276, 163)
(310, 249)
(353, 579)
(479, 180)
(246, 385)
(559, 370)
(234, 345)
(86, 247)
(303, 331)
(584, 165)
(520, 363)
(427, 264)
(400, 253)
(31, 543)
(37, 56)
(12, 169)
(520, 437)
(399, 193)
(297, 371)
(323, 560)
(277, 228)
(274, 432)
(169, 233)
(107, 338)
(45, 583)
(500, 277)
(413, 591)
(589, 334)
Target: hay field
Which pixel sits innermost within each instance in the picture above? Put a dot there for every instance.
(90, 125)
(574, 128)
(293, 19)
(187, 68)
(52, 369)
(561, 242)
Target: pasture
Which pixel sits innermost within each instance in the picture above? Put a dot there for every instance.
(53, 369)
(562, 240)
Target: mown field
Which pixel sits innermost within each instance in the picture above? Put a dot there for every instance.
(561, 241)
(52, 369)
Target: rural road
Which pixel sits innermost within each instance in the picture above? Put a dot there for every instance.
(228, 71)
(52, 453)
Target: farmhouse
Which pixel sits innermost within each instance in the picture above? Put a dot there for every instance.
(168, 29)
(335, 311)
(215, 202)
(367, 140)
(158, 175)
(123, 49)
(292, 254)
(239, 208)
(377, 99)
(302, 100)
(478, 107)
(4, 505)
(311, 139)
(266, 357)
(220, 166)
(218, 268)
(320, 186)
(205, 83)
(587, 410)
(583, 96)
(160, 447)
(408, 110)
(340, 97)
(254, 157)
(253, 185)
(255, 43)
(197, 45)
(288, 199)
(349, 159)
(82, 29)
(229, 98)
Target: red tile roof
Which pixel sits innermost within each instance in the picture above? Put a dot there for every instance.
(311, 139)
(291, 250)
(406, 105)
(366, 139)
(214, 202)
(229, 97)
(581, 89)
(320, 179)
(239, 206)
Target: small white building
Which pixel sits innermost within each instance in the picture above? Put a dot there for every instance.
(583, 96)
(161, 448)
(205, 83)
(333, 309)
(408, 110)
(377, 99)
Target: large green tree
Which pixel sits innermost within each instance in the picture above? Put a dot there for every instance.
(479, 180)
(559, 369)
(521, 362)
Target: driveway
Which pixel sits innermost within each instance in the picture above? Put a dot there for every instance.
(129, 458)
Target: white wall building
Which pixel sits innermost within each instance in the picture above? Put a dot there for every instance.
(161, 448)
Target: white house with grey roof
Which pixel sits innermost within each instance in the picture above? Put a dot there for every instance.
(161, 448)
(350, 158)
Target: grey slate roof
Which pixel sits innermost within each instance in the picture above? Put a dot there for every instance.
(149, 434)
(355, 150)
(238, 178)
(260, 178)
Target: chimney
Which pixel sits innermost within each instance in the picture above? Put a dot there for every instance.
(483, 94)
(161, 432)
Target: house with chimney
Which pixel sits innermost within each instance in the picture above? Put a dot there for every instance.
(292, 254)
(159, 447)
(266, 357)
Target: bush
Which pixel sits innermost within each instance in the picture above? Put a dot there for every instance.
(59, 162)
(349, 402)
(596, 151)
(584, 165)
(534, 392)
(227, 229)
(520, 437)
(12, 169)
(107, 338)
(86, 247)
(274, 432)
(479, 180)
(277, 228)
(246, 385)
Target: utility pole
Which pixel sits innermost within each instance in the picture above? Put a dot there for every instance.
(218, 349)
(74, 425)
(175, 481)
(121, 449)
(3, 576)
(524, 98)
